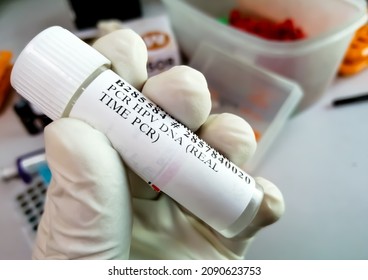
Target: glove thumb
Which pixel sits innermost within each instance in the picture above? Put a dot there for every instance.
(88, 207)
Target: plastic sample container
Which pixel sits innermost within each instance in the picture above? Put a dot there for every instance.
(263, 98)
(312, 62)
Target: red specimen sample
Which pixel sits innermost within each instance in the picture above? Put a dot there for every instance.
(280, 31)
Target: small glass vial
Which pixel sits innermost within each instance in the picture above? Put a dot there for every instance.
(65, 77)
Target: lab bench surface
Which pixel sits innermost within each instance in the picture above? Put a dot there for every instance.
(319, 161)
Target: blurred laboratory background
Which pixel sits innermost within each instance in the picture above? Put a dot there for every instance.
(296, 70)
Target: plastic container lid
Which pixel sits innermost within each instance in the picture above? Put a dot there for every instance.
(263, 98)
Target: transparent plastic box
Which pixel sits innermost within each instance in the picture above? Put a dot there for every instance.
(263, 98)
(312, 62)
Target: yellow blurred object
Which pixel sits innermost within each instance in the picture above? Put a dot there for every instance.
(356, 56)
(5, 70)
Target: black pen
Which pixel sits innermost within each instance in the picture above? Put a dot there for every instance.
(349, 100)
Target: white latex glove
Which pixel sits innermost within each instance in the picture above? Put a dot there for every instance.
(97, 208)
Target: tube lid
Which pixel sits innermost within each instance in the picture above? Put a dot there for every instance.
(52, 67)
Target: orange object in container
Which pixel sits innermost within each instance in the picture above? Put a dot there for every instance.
(356, 56)
(5, 69)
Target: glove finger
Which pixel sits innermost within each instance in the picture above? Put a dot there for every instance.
(234, 137)
(231, 135)
(271, 210)
(183, 93)
(106, 26)
(272, 207)
(128, 54)
(88, 209)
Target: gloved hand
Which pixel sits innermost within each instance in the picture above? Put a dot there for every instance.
(97, 208)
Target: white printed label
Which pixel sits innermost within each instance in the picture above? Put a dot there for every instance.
(163, 152)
